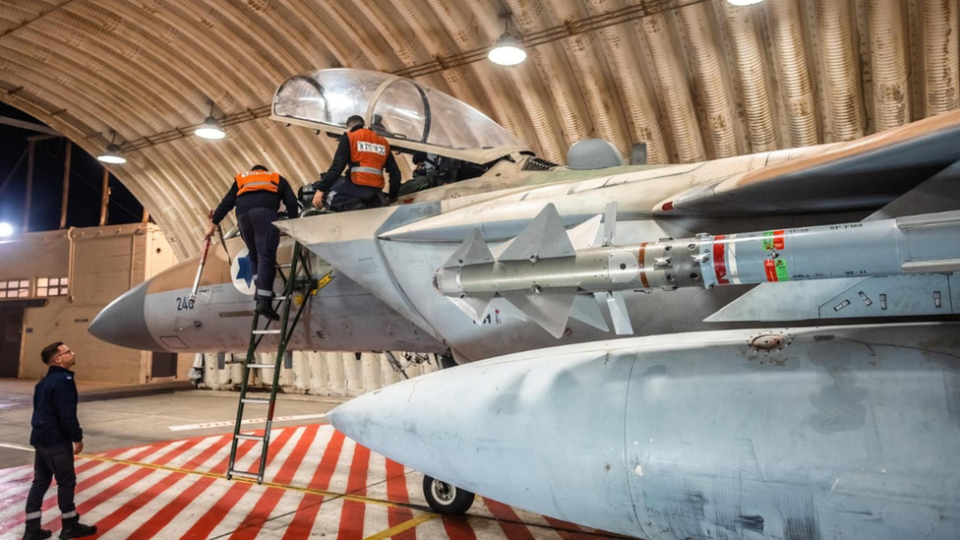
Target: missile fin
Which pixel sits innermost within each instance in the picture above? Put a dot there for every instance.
(475, 305)
(587, 234)
(609, 225)
(543, 238)
(618, 312)
(586, 309)
(549, 309)
(473, 250)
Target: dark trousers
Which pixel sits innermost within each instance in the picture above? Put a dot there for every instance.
(345, 196)
(262, 239)
(49, 463)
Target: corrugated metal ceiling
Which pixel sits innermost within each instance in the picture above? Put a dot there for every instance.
(693, 79)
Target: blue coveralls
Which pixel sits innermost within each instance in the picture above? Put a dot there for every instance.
(256, 212)
(55, 429)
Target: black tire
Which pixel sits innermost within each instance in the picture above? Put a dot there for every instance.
(446, 499)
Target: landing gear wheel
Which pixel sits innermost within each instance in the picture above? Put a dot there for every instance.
(446, 499)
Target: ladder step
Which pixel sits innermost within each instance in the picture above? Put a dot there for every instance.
(258, 332)
(284, 265)
(245, 474)
(261, 366)
(255, 400)
(250, 437)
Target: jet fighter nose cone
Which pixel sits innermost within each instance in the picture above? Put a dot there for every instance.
(124, 322)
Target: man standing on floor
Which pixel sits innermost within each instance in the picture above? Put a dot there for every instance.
(257, 195)
(56, 438)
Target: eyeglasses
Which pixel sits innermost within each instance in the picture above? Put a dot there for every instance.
(68, 351)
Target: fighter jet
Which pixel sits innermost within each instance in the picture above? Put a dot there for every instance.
(395, 275)
(713, 420)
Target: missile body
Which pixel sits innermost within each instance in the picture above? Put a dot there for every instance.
(816, 433)
(875, 248)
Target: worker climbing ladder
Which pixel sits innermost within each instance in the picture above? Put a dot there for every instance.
(298, 281)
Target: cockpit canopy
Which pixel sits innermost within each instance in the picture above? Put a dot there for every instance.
(409, 115)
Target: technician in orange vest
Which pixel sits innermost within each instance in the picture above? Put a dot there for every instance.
(257, 194)
(368, 154)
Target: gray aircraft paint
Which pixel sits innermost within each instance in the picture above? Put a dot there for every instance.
(843, 432)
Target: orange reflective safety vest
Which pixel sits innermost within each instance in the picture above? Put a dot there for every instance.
(368, 157)
(258, 181)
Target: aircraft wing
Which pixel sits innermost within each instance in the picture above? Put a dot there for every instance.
(866, 173)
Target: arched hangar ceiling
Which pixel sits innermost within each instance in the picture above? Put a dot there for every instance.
(694, 79)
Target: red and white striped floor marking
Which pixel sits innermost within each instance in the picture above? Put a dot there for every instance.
(319, 484)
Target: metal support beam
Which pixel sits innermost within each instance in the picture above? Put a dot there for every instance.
(66, 184)
(31, 151)
(28, 125)
(105, 197)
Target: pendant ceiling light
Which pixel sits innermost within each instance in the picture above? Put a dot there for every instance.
(508, 51)
(210, 128)
(112, 155)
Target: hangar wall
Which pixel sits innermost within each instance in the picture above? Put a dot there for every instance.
(99, 264)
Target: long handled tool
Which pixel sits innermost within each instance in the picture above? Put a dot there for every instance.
(203, 262)
(224, 244)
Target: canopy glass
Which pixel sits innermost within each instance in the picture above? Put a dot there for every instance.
(403, 111)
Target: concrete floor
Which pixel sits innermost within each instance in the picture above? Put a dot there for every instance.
(119, 423)
(138, 479)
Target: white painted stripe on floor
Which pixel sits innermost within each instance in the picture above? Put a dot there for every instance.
(17, 447)
(132, 523)
(276, 526)
(341, 473)
(283, 455)
(194, 510)
(103, 485)
(190, 454)
(228, 423)
(23, 485)
(114, 503)
(314, 456)
(238, 512)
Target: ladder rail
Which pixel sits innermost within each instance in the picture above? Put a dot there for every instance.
(287, 327)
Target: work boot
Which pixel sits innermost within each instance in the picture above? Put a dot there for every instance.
(36, 534)
(265, 308)
(78, 530)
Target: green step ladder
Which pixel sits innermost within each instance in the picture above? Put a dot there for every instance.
(292, 284)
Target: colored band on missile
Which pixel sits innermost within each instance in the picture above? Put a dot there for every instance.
(643, 272)
(719, 261)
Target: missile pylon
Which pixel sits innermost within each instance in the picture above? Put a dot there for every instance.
(544, 270)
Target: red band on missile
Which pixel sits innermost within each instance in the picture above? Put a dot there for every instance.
(643, 271)
(770, 266)
(719, 262)
(778, 240)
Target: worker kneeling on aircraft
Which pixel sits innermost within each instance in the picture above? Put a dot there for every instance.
(257, 194)
(368, 154)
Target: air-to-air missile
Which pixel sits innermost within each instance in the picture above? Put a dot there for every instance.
(815, 433)
(708, 426)
(543, 269)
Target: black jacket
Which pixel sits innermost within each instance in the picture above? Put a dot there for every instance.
(55, 410)
(342, 158)
(257, 199)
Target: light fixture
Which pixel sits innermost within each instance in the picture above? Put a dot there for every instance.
(743, 2)
(508, 51)
(112, 155)
(210, 128)
(6, 229)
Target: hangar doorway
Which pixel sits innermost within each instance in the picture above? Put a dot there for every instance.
(163, 365)
(11, 338)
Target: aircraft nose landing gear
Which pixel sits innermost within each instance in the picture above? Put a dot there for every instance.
(446, 499)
